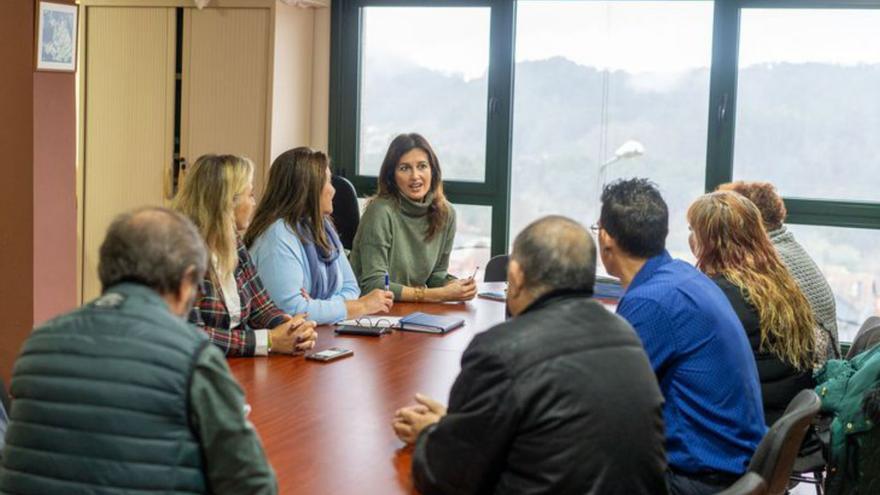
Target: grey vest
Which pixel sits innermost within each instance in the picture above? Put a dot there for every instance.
(101, 402)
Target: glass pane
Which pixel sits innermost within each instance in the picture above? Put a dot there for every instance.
(847, 258)
(425, 70)
(473, 238)
(593, 75)
(808, 109)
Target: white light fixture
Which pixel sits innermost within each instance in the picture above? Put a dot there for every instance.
(627, 150)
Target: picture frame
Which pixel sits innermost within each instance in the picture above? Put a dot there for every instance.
(56, 37)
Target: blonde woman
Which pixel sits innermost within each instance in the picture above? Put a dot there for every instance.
(232, 306)
(732, 247)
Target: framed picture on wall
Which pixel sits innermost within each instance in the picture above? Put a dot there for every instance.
(56, 37)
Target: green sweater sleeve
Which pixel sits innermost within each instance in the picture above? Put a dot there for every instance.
(372, 247)
(440, 275)
(234, 458)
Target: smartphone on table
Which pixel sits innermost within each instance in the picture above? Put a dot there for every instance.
(330, 354)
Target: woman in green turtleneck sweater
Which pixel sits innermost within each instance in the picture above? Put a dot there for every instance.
(408, 228)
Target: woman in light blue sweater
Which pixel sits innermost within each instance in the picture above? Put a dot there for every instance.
(296, 248)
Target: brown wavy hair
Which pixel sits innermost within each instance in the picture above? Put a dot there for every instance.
(438, 210)
(293, 192)
(765, 197)
(731, 241)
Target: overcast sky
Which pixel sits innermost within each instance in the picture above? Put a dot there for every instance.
(646, 36)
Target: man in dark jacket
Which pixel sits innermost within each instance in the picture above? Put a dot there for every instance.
(122, 395)
(559, 400)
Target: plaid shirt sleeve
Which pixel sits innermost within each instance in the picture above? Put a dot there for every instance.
(210, 314)
(257, 308)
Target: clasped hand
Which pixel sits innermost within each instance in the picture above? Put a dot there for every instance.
(409, 421)
(295, 336)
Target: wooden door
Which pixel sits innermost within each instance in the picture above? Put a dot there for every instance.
(129, 119)
(225, 85)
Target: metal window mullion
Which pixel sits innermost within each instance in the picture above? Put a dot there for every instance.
(722, 116)
(833, 213)
(722, 94)
(499, 121)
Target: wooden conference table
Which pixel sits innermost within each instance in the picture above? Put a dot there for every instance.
(326, 427)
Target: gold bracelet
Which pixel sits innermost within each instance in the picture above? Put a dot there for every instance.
(420, 294)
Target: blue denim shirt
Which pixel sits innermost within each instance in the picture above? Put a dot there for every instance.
(706, 370)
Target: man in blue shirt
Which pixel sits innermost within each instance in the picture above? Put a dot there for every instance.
(696, 343)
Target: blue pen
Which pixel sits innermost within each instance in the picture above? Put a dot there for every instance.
(387, 282)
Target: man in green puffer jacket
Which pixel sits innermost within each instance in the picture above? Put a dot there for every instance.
(122, 395)
(849, 391)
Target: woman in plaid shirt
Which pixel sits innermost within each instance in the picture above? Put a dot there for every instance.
(232, 306)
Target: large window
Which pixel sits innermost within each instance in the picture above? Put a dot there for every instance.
(592, 76)
(533, 105)
(425, 70)
(808, 110)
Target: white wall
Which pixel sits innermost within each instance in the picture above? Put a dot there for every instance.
(301, 85)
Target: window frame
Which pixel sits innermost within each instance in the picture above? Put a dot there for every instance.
(345, 71)
(722, 115)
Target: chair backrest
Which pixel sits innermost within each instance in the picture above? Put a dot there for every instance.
(749, 484)
(868, 337)
(496, 269)
(774, 458)
(346, 211)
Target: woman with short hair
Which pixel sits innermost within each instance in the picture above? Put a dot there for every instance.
(732, 247)
(408, 229)
(296, 248)
(232, 306)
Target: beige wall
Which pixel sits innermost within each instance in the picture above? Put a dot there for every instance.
(292, 82)
(38, 239)
(321, 81)
(301, 83)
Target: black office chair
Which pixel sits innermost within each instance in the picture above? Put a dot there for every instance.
(775, 456)
(496, 269)
(867, 337)
(346, 211)
(812, 463)
(749, 484)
